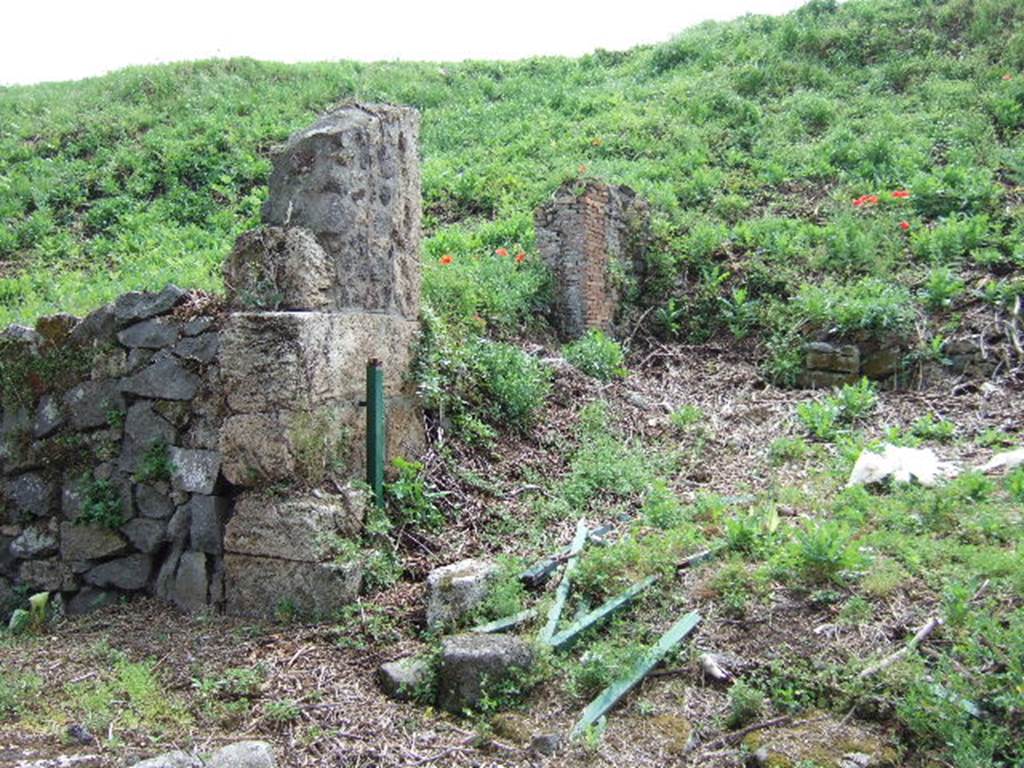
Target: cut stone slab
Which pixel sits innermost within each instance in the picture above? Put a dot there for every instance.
(88, 542)
(203, 349)
(30, 494)
(353, 180)
(143, 428)
(134, 306)
(127, 573)
(150, 334)
(257, 586)
(244, 754)
(279, 268)
(254, 450)
(400, 679)
(471, 662)
(191, 583)
(152, 503)
(98, 326)
(163, 379)
(821, 356)
(90, 402)
(34, 541)
(176, 759)
(207, 523)
(194, 471)
(178, 527)
(50, 575)
(292, 527)
(457, 589)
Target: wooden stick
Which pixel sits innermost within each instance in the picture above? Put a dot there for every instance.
(917, 639)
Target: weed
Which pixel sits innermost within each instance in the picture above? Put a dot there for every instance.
(156, 464)
(745, 705)
(597, 355)
(930, 428)
(825, 551)
(319, 442)
(101, 504)
(410, 502)
(282, 711)
(785, 450)
(686, 416)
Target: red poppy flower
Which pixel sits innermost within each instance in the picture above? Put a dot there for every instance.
(521, 257)
(865, 200)
(904, 225)
(446, 259)
(502, 251)
(901, 194)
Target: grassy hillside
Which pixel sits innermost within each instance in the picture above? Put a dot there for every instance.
(752, 139)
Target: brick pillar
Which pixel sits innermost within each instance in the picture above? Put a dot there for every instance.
(592, 238)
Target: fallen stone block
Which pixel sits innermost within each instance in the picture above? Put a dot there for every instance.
(402, 679)
(472, 665)
(455, 590)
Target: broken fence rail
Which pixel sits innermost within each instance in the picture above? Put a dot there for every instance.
(570, 634)
(562, 593)
(611, 695)
(541, 571)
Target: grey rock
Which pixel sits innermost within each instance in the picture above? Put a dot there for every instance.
(191, 582)
(81, 734)
(49, 417)
(244, 754)
(882, 363)
(457, 589)
(546, 743)
(256, 586)
(150, 334)
(292, 527)
(400, 679)
(198, 325)
(89, 542)
(151, 503)
(111, 363)
(8, 562)
(856, 760)
(176, 759)
(208, 514)
(71, 497)
(353, 180)
(127, 573)
(146, 535)
(138, 358)
(180, 524)
(50, 575)
(472, 664)
(34, 541)
(164, 584)
(136, 305)
(143, 428)
(175, 412)
(195, 471)
(30, 494)
(98, 327)
(279, 268)
(89, 599)
(163, 379)
(9, 600)
(90, 402)
(22, 334)
(821, 356)
(202, 349)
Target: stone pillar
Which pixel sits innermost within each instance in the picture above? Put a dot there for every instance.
(592, 237)
(331, 280)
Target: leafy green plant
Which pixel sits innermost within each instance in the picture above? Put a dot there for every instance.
(745, 705)
(410, 502)
(930, 428)
(101, 503)
(847, 405)
(788, 449)
(597, 355)
(826, 551)
(686, 416)
(156, 464)
(941, 288)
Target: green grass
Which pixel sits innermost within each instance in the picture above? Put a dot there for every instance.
(751, 138)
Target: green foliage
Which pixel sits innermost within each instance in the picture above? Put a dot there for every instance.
(155, 465)
(18, 691)
(26, 374)
(849, 404)
(825, 551)
(410, 502)
(686, 416)
(941, 289)
(597, 355)
(788, 449)
(101, 504)
(601, 664)
(868, 304)
(930, 428)
(745, 705)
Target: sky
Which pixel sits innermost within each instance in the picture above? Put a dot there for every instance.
(45, 40)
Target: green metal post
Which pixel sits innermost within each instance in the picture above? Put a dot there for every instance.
(375, 430)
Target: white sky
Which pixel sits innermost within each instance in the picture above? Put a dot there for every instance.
(43, 40)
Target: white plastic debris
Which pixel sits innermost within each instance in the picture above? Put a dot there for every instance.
(1004, 460)
(902, 464)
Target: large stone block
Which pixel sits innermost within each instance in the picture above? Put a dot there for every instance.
(457, 589)
(274, 268)
(475, 665)
(88, 542)
(353, 180)
(165, 378)
(30, 494)
(128, 573)
(293, 528)
(259, 586)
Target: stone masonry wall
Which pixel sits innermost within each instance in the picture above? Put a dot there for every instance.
(111, 477)
(209, 458)
(592, 237)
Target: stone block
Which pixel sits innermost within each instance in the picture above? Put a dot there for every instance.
(49, 575)
(135, 306)
(96, 328)
(164, 379)
(473, 665)
(821, 356)
(274, 268)
(30, 494)
(55, 329)
(90, 402)
(191, 582)
(291, 527)
(207, 523)
(49, 417)
(258, 586)
(882, 363)
(127, 573)
(150, 334)
(255, 450)
(143, 428)
(146, 535)
(243, 754)
(34, 541)
(400, 679)
(151, 502)
(194, 471)
(202, 349)
(457, 589)
(352, 179)
(89, 599)
(825, 379)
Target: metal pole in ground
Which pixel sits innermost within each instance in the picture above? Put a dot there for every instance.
(375, 430)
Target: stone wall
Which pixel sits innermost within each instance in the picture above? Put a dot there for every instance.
(111, 474)
(216, 455)
(832, 362)
(592, 236)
